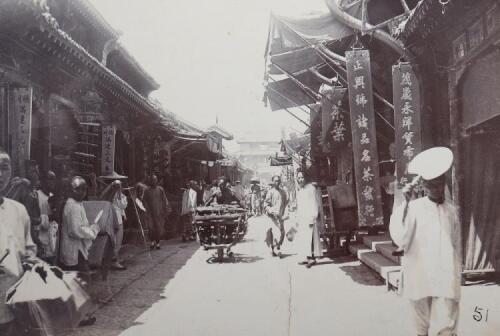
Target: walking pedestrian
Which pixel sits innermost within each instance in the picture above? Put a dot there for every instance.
(275, 205)
(188, 208)
(77, 233)
(16, 245)
(114, 194)
(256, 199)
(307, 238)
(29, 198)
(427, 229)
(47, 235)
(158, 208)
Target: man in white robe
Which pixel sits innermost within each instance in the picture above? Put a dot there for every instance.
(307, 238)
(428, 231)
(16, 245)
(275, 205)
(77, 233)
(188, 209)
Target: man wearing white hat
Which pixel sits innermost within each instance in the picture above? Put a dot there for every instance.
(428, 231)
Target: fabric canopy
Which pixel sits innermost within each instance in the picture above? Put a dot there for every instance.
(286, 94)
(289, 46)
(307, 25)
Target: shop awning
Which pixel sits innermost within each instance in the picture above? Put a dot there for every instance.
(290, 46)
(297, 25)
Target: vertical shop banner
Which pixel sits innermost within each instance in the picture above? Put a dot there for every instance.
(335, 125)
(406, 97)
(21, 126)
(108, 149)
(364, 140)
(157, 167)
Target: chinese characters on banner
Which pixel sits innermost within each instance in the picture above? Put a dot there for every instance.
(108, 149)
(335, 126)
(406, 97)
(21, 101)
(364, 141)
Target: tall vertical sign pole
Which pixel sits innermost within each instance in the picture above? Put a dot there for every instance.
(364, 140)
(108, 150)
(407, 126)
(22, 103)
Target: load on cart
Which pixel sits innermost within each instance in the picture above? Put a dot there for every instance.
(220, 227)
(222, 222)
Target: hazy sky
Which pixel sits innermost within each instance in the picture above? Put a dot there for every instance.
(207, 55)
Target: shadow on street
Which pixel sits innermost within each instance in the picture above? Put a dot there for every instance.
(237, 258)
(130, 293)
(362, 275)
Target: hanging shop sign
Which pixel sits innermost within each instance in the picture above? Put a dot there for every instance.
(157, 162)
(364, 140)
(21, 127)
(407, 126)
(108, 149)
(214, 143)
(335, 125)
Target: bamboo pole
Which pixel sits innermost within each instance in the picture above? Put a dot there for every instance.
(310, 92)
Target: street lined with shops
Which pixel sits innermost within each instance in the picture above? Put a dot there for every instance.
(120, 216)
(179, 290)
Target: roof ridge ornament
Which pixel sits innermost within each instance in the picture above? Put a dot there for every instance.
(443, 4)
(357, 45)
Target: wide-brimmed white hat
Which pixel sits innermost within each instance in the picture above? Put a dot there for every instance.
(431, 163)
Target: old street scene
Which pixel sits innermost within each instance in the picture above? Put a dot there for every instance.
(266, 167)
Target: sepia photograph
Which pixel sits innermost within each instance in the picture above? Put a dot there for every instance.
(249, 167)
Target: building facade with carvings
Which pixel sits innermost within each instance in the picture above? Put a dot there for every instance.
(74, 100)
(65, 84)
(458, 63)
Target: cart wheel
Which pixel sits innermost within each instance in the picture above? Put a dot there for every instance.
(220, 254)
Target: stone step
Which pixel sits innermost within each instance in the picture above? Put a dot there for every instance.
(379, 263)
(393, 279)
(357, 249)
(372, 241)
(386, 250)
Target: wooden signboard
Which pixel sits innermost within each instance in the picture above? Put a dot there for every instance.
(20, 119)
(364, 140)
(108, 149)
(407, 126)
(335, 126)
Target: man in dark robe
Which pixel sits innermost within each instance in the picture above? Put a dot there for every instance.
(158, 208)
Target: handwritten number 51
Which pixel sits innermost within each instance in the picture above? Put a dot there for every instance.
(480, 313)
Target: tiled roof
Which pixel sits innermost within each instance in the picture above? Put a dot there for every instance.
(50, 26)
(222, 132)
(96, 18)
(425, 18)
(167, 119)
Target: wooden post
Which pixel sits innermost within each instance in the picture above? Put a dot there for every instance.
(455, 128)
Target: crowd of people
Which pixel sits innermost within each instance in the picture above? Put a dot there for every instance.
(424, 226)
(44, 218)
